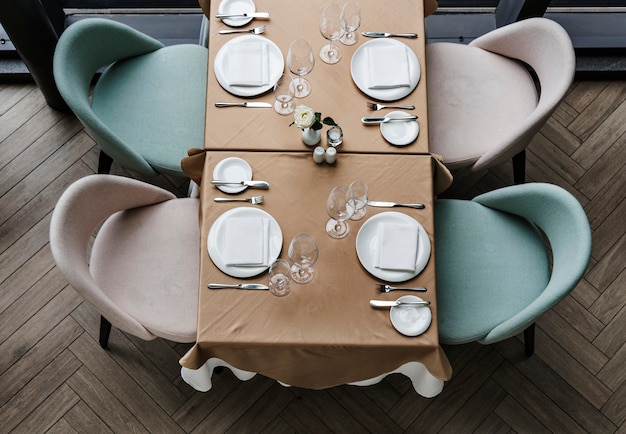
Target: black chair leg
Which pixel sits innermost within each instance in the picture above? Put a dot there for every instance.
(529, 339)
(519, 168)
(104, 163)
(105, 331)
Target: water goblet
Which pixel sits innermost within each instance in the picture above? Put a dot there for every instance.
(331, 29)
(359, 193)
(340, 207)
(303, 254)
(300, 61)
(283, 93)
(280, 278)
(350, 21)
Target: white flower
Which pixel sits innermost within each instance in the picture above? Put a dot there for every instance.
(304, 117)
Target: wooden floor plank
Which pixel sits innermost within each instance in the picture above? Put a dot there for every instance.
(46, 415)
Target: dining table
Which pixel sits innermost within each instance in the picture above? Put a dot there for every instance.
(324, 333)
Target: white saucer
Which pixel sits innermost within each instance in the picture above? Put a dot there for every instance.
(410, 320)
(399, 133)
(232, 169)
(236, 7)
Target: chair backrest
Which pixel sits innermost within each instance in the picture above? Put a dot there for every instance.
(563, 221)
(547, 48)
(79, 211)
(84, 48)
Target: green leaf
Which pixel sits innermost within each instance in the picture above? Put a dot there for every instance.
(329, 121)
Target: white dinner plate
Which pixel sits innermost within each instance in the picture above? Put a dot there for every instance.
(359, 71)
(232, 169)
(236, 7)
(399, 133)
(216, 241)
(275, 60)
(367, 245)
(410, 320)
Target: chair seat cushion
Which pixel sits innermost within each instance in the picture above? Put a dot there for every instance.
(155, 102)
(146, 261)
(490, 265)
(475, 99)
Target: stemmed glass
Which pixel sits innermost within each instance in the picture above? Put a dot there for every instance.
(340, 207)
(350, 22)
(300, 61)
(283, 92)
(359, 193)
(331, 29)
(303, 254)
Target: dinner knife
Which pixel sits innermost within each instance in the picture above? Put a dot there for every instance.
(237, 286)
(388, 35)
(394, 204)
(383, 303)
(254, 184)
(387, 119)
(263, 15)
(244, 104)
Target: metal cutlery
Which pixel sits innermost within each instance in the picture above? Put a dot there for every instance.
(254, 184)
(374, 106)
(380, 204)
(237, 286)
(262, 15)
(254, 31)
(387, 119)
(388, 288)
(244, 104)
(389, 35)
(254, 200)
(383, 303)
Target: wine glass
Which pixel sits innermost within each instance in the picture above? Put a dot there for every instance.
(340, 207)
(280, 278)
(283, 92)
(300, 61)
(359, 192)
(303, 254)
(350, 21)
(331, 29)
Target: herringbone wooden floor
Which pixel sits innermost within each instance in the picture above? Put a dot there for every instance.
(55, 378)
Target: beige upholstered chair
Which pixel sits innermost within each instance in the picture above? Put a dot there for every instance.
(483, 103)
(143, 269)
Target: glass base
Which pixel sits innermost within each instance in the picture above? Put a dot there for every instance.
(358, 214)
(330, 54)
(348, 38)
(337, 229)
(302, 275)
(300, 87)
(284, 107)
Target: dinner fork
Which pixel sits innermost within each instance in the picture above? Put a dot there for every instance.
(254, 200)
(387, 288)
(374, 106)
(255, 31)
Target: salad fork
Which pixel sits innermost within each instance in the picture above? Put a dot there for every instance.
(254, 31)
(254, 200)
(374, 106)
(388, 288)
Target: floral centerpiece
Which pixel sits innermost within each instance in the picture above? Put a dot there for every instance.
(310, 122)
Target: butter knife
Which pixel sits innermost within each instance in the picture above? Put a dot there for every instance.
(237, 286)
(388, 35)
(394, 204)
(244, 104)
(254, 184)
(387, 119)
(383, 303)
(263, 15)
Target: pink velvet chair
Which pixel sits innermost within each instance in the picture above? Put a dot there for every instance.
(484, 106)
(143, 269)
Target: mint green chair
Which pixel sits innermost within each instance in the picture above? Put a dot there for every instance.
(148, 105)
(495, 273)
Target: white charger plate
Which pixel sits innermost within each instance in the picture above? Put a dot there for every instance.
(399, 133)
(276, 66)
(410, 320)
(367, 244)
(359, 71)
(236, 7)
(216, 240)
(232, 169)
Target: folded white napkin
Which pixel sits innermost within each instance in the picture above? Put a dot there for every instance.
(388, 67)
(246, 241)
(248, 64)
(397, 249)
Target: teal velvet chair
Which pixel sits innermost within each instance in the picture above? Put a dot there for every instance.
(495, 272)
(148, 105)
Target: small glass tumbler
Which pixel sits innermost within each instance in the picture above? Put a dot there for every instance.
(334, 136)
(359, 191)
(283, 93)
(280, 280)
